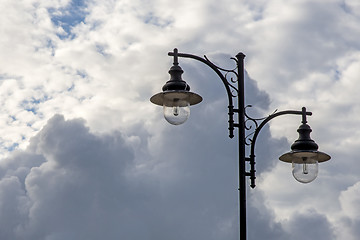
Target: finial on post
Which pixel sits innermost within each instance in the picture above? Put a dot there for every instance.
(176, 61)
(304, 115)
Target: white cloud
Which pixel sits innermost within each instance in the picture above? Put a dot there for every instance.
(350, 200)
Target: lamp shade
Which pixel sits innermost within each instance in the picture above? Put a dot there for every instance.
(171, 98)
(175, 90)
(304, 148)
(298, 156)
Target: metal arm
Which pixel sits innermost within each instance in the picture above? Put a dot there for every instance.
(257, 131)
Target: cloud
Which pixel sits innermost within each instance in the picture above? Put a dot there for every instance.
(350, 218)
(349, 200)
(310, 225)
(66, 178)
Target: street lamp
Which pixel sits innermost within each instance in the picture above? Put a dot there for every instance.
(176, 99)
(304, 155)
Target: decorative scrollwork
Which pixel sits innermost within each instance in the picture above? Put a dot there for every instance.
(252, 124)
(230, 80)
(235, 91)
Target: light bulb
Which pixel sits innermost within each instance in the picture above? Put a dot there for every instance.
(176, 110)
(305, 171)
(178, 113)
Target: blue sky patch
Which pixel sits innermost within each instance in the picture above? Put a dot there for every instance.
(157, 21)
(31, 105)
(70, 16)
(12, 147)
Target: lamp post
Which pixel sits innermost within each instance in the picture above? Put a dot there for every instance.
(176, 100)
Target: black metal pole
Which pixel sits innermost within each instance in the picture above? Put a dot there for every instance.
(240, 125)
(241, 121)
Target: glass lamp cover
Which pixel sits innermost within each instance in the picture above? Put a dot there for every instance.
(305, 172)
(176, 112)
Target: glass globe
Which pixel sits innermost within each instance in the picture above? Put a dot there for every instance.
(177, 112)
(306, 171)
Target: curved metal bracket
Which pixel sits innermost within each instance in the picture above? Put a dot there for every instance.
(304, 113)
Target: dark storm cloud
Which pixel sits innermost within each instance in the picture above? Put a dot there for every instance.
(72, 184)
(63, 183)
(310, 225)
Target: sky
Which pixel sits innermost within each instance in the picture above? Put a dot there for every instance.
(85, 155)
